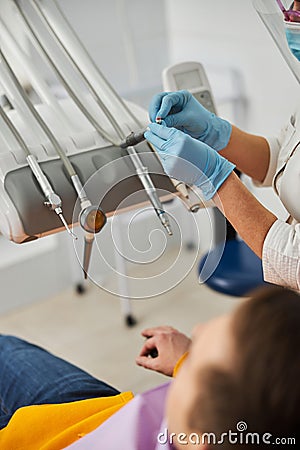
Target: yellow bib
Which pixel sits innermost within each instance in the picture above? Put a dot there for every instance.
(54, 427)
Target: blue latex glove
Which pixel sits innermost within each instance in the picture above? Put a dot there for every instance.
(182, 111)
(188, 159)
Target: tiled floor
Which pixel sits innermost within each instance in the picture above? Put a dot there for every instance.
(89, 330)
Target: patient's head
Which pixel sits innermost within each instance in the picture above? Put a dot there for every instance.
(244, 367)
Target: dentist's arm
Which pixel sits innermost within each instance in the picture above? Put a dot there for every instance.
(250, 153)
(246, 214)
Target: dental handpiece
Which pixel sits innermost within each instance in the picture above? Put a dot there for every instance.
(53, 200)
(131, 140)
(128, 143)
(143, 174)
(135, 138)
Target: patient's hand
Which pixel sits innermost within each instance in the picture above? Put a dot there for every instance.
(170, 345)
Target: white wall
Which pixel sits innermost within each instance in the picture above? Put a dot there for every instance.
(230, 33)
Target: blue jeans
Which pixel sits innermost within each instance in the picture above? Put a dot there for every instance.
(30, 375)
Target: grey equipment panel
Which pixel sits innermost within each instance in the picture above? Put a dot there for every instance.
(112, 184)
(205, 98)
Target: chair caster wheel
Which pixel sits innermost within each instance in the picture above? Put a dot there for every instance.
(130, 320)
(80, 289)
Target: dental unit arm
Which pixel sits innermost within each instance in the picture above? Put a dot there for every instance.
(63, 154)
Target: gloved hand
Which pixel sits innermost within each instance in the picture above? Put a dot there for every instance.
(181, 110)
(188, 159)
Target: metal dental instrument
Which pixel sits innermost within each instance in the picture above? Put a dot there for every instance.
(145, 179)
(135, 138)
(143, 174)
(26, 105)
(92, 220)
(87, 253)
(53, 200)
(141, 170)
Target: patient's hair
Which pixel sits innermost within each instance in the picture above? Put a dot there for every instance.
(263, 388)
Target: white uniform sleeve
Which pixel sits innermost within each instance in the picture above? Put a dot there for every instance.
(275, 146)
(281, 255)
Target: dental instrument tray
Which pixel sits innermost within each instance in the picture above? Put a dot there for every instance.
(111, 183)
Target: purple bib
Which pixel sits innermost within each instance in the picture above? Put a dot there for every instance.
(139, 425)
